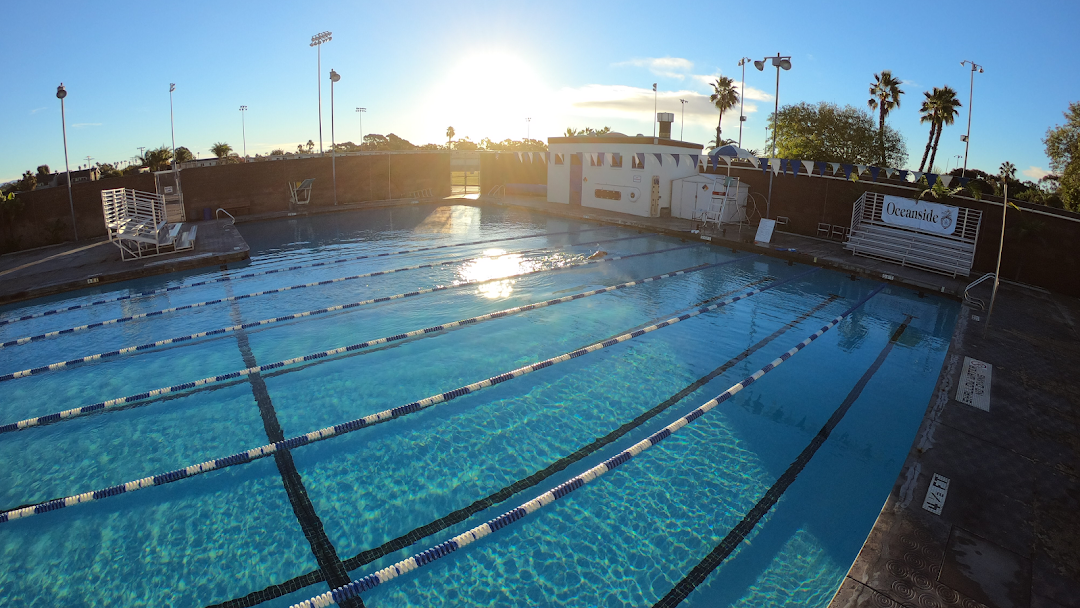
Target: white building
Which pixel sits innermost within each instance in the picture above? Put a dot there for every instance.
(618, 172)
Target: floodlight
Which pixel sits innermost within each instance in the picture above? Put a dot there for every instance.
(61, 92)
(334, 76)
(760, 65)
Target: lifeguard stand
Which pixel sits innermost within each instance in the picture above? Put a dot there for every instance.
(301, 192)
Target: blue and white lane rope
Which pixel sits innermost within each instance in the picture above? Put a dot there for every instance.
(154, 292)
(224, 330)
(443, 549)
(69, 330)
(114, 403)
(352, 425)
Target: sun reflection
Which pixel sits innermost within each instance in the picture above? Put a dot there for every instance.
(496, 264)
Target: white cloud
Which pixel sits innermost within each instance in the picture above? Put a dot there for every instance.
(618, 101)
(36, 110)
(1035, 173)
(751, 93)
(669, 67)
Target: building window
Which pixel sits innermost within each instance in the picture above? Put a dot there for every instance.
(638, 161)
(616, 160)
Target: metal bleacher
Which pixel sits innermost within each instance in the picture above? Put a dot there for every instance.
(951, 255)
(138, 224)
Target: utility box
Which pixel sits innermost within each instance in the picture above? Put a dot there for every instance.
(665, 119)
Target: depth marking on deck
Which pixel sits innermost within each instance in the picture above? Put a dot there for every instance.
(974, 385)
(936, 493)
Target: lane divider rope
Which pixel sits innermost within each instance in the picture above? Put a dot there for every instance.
(154, 292)
(113, 403)
(352, 425)
(445, 548)
(70, 330)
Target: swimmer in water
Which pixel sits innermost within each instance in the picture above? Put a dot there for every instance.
(597, 255)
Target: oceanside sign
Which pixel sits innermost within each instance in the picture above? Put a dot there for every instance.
(920, 215)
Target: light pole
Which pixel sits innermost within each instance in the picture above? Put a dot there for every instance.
(682, 117)
(172, 127)
(654, 110)
(334, 77)
(528, 127)
(742, 95)
(61, 93)
(360, 115)
(971, 93)
(778, 62)
(316, 41)
(243, 128)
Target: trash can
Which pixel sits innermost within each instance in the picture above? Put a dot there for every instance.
(207, 213)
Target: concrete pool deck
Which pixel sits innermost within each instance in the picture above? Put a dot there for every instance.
(69, 266)
(1008, 534)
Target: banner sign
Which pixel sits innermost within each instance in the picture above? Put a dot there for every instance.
(920, 215)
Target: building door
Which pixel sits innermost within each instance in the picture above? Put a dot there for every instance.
(575, 179)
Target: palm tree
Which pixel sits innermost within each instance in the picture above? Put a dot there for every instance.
(724, 97)
(939, 107)
(1008, 170)
(220, 149)
(884, 97)
(449, 136)
(948, 110)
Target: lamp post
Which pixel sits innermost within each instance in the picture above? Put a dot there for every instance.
(682, 117)
(317, 41)
(971, 93)
(61, 93)
(528, 127)
(243, 128)
(778, 62)
(742, 95)
(334, 77)
(360, 115)
(654, 110)
(172, 127)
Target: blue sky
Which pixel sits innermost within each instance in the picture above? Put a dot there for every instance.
(483, 67)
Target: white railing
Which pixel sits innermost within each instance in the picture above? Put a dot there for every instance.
(498, 191)
(137, 223)
(220, 210)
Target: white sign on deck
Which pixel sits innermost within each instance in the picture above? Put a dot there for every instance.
(920, 215)
(936, 493)
(974, 385)
(764, 231)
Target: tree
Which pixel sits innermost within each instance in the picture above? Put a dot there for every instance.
(587, 132)
(449, 136)
(465, 144)
(375, 141)
(397, 143)
(724, 97)
(1008, 170)
(27, 183)
(107, 170)
(1063, 148)
(310, 145)
(43, 173)
(277, 152)
(827, 132)
(183, 155)
(939, 108)
(221, 149)
(884, 97)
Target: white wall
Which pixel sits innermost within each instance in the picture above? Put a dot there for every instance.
(634, 184)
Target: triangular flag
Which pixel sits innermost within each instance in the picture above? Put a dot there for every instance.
(902, 175)
(640, 159)
(916, 175)
(600, 159)
(835, 167)
(694, 158)
(774, 164)
(794, 164)
(809, 166)
(754, 161)
(519, 157)
(659, 158)
(676, 157)
(547, 157)
(964, 181)
(861, 168)
(931, 178)
(847, 170)
(946, 180)
(783, 166)
(821, 167)
(874, 172)
(712, 162)
(764, 165)
(889, 172)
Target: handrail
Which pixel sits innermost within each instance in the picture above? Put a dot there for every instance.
(976, 301)
(499, 191)
(220, 210)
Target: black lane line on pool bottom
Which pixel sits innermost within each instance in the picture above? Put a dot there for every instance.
(331, 568)
(738, 534)
(456, 517)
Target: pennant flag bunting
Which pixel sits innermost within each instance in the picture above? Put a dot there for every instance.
(519, 157)
(964, 181)
(889, 172)
(659, 157)
(931, 178)
(809, 166)
(754, 161)
(676, 157)
(946, 180)
(847, 170)
(835, 167)
(902, 175)
(783, 166)
(917, 175)
(694, 158)
(861, 168)
(821, 167)
(874, 172)
(764, 164)
(774, 164)
(794, 164)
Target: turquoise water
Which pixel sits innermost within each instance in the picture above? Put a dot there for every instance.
(623, 540)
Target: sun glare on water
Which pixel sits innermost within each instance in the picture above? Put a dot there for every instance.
(495, 264)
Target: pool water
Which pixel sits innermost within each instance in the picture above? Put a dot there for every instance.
(623, 540)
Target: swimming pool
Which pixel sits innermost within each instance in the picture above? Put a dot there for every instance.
(271, 531)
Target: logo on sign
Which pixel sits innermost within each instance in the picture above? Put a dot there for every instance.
(924, 216)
